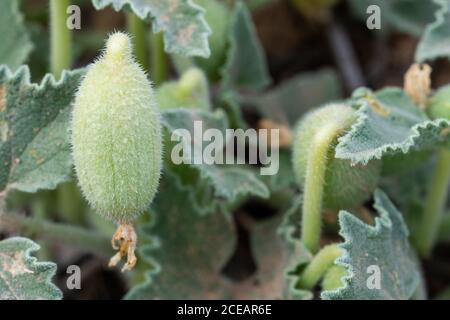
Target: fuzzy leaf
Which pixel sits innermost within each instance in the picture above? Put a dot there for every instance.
(384, 245)
(16, 44)
(409, 16)
(34, 145)
(189, 250)
(22, 277)
(245, 66)
(389, 123)
(228, 181)
(435, 41)
(185, 29)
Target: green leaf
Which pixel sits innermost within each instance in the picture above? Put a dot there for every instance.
(285, 177)
(228, 181)
(389, 123)
(189, 250)
(295, 253)
(435, 42)
(384, 245)
(34, 140)
(276, 259)
(245, 65)
(21, 276)
(407, 191)
(294, 97)
(185, 29)
(16, 44)
(409, 16)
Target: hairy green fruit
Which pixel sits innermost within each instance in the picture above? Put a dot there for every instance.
(439, 104)
(116, 134)
(116, 139)
(190, 91)
(345, 186)
(218, 17)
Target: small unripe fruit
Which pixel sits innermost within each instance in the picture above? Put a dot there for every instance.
(116, 139)
(439, 104)
(218, 17)
(190, 91)
(345, 186)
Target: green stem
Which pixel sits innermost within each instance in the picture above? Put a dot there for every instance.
(314, 186)
(71, 206)
(56, 232)
(159, 67)
(139, 29)
(318, 266)
(42, 205)
(60, 37)
(434, 204)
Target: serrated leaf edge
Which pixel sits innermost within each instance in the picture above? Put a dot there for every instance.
(204, 52)
(363, 157)
(33, 247)
(381, 222)
(24, 75)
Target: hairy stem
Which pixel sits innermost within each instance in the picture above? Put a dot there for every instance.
(434, 204)
(159, 67)
(319, 265)
(56, 232)
(60, 37)
(314, 186)
(139, 30)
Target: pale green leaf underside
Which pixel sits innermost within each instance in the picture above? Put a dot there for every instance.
(185, 29)
(245, 65)
(228, 181)
(435, 41)
(16, 44)
(388, 124)
(34, 140)
(22, 277)
(189, 250)
(384, 245)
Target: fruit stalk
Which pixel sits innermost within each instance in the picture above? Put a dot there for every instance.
(60, 37)
(434, 204)
(314, 186)
(319, 265)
